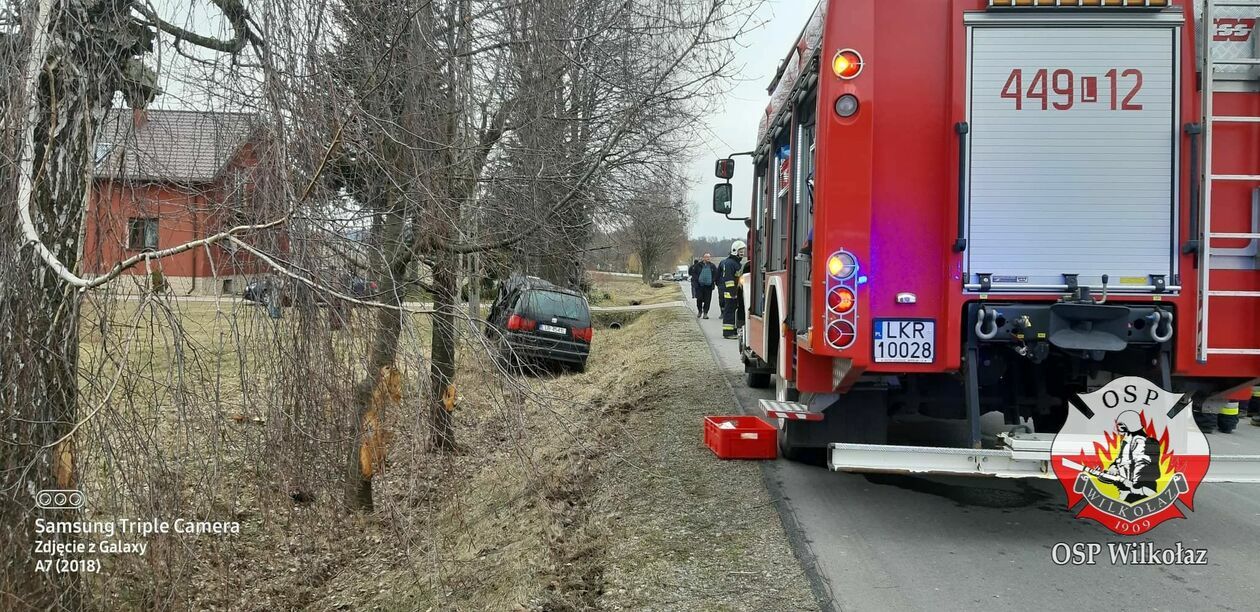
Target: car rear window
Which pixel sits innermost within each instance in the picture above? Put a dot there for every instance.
(556, 304)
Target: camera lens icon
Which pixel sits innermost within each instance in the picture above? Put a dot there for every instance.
(59, 499)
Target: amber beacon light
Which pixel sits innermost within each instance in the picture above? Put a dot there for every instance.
(847, 64)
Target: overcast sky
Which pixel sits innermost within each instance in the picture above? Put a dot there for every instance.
(733, 128)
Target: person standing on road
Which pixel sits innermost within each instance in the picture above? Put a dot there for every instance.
(744, 268)
(691, 274)
(1227, 418)
(728, 279)
(1253, 408)
(703, 276)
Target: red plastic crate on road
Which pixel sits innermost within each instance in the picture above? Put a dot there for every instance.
(749, 438)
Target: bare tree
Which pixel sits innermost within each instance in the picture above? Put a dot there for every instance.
(71, 58)
(517, 116)
(395, 138)
(653, 226)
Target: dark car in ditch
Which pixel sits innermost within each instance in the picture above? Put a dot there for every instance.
(538, 322)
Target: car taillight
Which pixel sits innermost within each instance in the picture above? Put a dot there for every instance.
(584, 334)
(518, 323)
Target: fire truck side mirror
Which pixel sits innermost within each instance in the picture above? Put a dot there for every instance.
(725, 169)
(722, 198)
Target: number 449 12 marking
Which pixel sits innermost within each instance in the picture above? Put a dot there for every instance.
(1059, 89)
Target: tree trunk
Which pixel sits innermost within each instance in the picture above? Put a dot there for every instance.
(39, 314)
(387, 231)
(442, 362)
(39, 399)
(39, 396)
(474, 289)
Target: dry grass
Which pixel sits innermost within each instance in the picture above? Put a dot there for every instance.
(573, 492)
(611, 290)
(608, 500)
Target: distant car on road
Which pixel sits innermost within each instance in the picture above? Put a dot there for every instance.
(363, 288)
(262, 290)
(541, 322)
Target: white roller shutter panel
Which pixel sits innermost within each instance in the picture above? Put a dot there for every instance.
(1086, 189)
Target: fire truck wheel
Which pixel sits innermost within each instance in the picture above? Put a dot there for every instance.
(757, 379)
(792, 434)
(859, 416)
(1049, 422)
(784, 391)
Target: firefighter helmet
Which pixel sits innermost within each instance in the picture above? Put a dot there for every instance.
(737, 247)
(1128, 422)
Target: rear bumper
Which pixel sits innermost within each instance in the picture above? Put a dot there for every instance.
(1107, 327)
(540, 347)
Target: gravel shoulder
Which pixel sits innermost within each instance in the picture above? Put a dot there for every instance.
(689, 531)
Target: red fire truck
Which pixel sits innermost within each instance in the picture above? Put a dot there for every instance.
(964, 207)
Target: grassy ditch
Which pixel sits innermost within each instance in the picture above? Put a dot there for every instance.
(608, 500)
(570, 491)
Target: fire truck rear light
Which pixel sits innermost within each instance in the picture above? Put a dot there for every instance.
(847, 105)
(1077, 3)
(841, 265)
(847, 64)
(841, 334)
(841, 300)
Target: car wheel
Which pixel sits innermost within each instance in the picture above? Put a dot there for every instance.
(580, 366)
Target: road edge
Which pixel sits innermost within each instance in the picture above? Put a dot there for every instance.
(801, 548)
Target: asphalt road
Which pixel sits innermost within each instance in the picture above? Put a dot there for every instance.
(906, 543)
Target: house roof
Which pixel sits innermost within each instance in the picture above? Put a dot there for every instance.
(170, 145)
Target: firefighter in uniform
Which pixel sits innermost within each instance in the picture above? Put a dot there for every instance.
(1220, 414)
(1254, 407)
(728, 286)
(1227, 419)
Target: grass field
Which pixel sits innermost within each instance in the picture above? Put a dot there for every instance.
(612, 290)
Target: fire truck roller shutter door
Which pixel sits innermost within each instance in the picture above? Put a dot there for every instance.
(1073, 150)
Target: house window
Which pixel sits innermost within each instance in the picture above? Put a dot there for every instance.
(142, 234)
(102, 151)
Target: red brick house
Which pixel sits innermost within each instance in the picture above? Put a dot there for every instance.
(167, 177)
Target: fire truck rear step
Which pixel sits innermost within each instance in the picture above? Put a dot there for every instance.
(1024, 456)
(792, 411)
